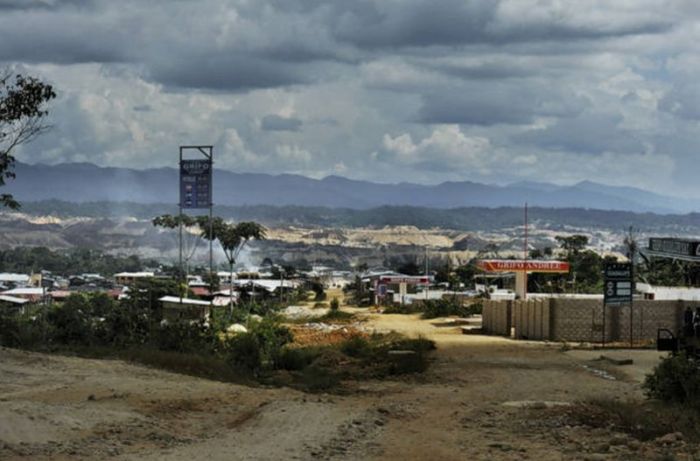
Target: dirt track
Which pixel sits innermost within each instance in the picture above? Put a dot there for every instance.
(471, 404)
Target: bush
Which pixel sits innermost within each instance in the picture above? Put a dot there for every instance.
(403, 309)
(261, 347)
(675, 379)
(185, 337)
(24, 331)
(357, 347)
(447, 307)
(335, 304)
(296, 359)
(245, 352)
(71, 321)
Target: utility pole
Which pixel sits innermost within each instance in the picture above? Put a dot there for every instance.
(427, 286)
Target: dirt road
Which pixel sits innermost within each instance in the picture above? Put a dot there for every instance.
(482, 398)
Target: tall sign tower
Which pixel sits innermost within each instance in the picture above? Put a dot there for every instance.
(196, 191)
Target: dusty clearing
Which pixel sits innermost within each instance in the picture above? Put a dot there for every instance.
(483, 398)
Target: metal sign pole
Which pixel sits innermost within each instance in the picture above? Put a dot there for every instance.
(632, 302)
(180, 231)
(603, 346)
(211, 229)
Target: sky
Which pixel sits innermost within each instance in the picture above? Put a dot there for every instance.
(418, 91)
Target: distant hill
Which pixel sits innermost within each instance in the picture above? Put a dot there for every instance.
(84, 182)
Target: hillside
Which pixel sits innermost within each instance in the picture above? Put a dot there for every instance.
(83, 182)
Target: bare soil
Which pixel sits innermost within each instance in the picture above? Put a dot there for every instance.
(482, 398)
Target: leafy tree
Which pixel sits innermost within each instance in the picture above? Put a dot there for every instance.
(572, 244)
(465, 274)
(22, 101)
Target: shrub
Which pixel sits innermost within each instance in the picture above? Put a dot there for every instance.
(403, 309)
(71, 321)
(335, 304)
(185, 337)
(245, 352)
(675, 379)
(261, 347)
(24, 331)
(356, 346)
(296, 359)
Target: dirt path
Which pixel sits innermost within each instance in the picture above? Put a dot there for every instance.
(475, 402)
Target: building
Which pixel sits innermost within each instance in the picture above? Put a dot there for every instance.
(659, 293)
(12, 304)
(11, 280)
(127, 278)
(177, 309)
(30, 294)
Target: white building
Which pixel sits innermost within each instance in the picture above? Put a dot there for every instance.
(660, 293)
(7, 278)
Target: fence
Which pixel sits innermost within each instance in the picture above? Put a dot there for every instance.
(560, 319)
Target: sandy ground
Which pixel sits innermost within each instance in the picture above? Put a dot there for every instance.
(482, 398)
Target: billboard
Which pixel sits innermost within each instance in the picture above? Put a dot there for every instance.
(674, 246)
(195, 183)
(407, 279)
(618, 283)
(520, 265)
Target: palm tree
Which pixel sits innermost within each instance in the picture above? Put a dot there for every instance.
(190, 240)
(232, 238)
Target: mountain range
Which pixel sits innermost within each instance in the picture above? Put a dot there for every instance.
(84, 182)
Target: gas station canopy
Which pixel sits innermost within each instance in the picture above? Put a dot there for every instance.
(522, 265)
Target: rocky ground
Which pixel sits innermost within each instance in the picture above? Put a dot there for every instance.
(482, 398)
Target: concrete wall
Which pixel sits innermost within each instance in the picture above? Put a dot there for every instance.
(497, 317)
(560, 319)
(531, 319)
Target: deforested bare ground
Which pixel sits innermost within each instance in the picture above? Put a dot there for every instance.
(482, 398)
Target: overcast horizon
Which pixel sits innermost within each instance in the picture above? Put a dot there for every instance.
(388, 91)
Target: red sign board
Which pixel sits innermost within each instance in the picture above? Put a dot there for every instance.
(520, 265)
(417, 280)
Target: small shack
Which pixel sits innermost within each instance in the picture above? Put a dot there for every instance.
(176, 309)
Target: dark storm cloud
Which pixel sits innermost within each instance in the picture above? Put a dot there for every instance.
(488, 71)
(274, 122)
(422, 23)
(226, 73)
(42, 4)
(62, 37)
(496, 103)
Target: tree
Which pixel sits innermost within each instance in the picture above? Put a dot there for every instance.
(572, 244)
(22, 101)
(232, 238)
(192, 233)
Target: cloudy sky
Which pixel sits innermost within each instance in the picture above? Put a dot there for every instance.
(386, 90)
